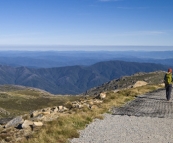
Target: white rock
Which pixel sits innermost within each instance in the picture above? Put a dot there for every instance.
(60, 107)
(37, 124)
(46, 113)
(55, 109)
(35, 113)
(102, 95)
(27, 124)
(139, 83)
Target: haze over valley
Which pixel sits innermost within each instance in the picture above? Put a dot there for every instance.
(74, 72)
(49, 59)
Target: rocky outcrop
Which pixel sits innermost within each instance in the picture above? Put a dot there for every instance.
(139, 83)
(127, 82)
(23, 126)
(14, 122)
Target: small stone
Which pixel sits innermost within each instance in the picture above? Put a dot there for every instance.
(102, 95)
(60, 107)
(37, 124)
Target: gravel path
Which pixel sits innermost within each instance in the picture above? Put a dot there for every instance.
(147, 119)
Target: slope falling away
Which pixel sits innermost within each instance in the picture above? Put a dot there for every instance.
(73, 79)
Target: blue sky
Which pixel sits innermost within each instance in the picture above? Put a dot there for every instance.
(85, 22)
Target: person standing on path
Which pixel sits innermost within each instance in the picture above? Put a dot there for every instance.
(168, 83)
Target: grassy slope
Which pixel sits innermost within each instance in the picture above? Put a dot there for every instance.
(67, 126)
(128, 81)
(21, 100)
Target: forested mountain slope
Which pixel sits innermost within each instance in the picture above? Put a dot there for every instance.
(73, 79)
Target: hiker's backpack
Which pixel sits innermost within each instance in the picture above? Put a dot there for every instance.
(168, 78)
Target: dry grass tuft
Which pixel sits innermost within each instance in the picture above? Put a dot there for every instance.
(66, 127)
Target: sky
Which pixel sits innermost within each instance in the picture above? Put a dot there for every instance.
(86, 24)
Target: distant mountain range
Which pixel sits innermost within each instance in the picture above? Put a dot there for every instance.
(73, 79)
(49, 59)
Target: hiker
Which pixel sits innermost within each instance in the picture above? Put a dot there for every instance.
(168, 83)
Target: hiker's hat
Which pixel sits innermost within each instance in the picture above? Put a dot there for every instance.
(169, 70)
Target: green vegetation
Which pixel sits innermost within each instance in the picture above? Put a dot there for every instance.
(67, 126)
(129, 81)
(18, 101)
(73, 79)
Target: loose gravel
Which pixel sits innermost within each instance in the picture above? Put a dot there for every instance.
(147, 119)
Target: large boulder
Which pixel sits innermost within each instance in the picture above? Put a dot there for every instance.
(139, 83)
(27, 124)
(4, 121)
(14, 122)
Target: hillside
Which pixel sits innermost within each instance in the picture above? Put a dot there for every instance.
(73, 79)
(65, 115)
(128, 82)
(17, 100)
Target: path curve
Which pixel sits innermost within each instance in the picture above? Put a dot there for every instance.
(147, 119)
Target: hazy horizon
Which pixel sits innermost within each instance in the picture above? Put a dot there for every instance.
(82, 48)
